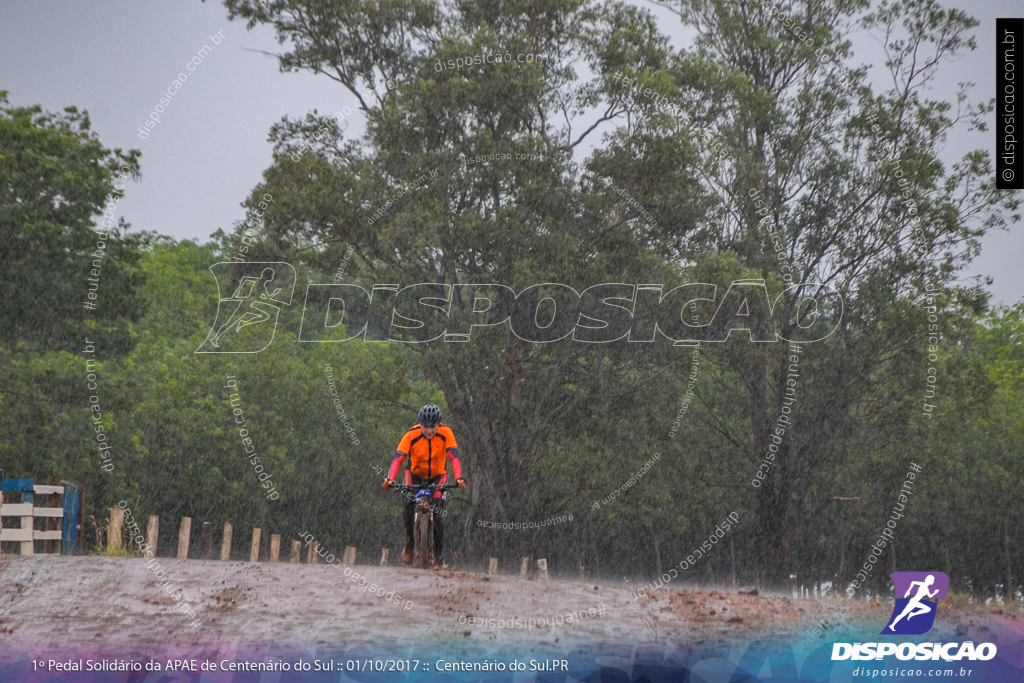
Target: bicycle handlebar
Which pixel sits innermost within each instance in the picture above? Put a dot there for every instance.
(423, 487)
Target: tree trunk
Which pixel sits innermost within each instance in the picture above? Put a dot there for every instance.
(657, 556)
(732, 552)
(842, 564)
(775, 537)
(1009, 573)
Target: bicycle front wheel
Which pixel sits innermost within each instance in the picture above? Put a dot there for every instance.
(422, 541)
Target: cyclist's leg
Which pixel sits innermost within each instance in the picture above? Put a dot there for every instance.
(440, 480)
(407, 516)
(439, 529)
(439, 508)
(408, 510)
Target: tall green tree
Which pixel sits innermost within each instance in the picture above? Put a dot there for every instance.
(509, 221)
(56, 182)
(67, 278)
(837, 181)
(805, 194)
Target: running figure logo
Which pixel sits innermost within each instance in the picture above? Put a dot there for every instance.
(247, 318)
(914, 615)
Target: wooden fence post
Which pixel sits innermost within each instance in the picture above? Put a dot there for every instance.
(114, 527)
(275, 547)
(311, 554)
(349, 559)
(296, 552)
(152, 533)
(53, 523)
(493, 566)
(81, 521)
(524, 567)
(225, 542)
(254, 553)
(183, 534)
(28, 521)
(53, 513)
(542, 568)
(383, 557)
(207, 541)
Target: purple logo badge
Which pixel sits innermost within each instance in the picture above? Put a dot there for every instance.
(917, 599)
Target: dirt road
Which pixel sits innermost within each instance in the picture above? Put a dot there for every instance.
(115, 607)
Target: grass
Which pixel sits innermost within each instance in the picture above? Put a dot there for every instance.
(123, 551)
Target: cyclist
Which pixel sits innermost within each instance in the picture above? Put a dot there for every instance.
(428, 446)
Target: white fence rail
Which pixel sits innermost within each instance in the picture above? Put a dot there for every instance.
(28, 512)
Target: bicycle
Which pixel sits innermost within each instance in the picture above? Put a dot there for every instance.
(423, 522)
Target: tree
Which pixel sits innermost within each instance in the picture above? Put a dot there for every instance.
(56, 179)
(513, 222)
(834, 184)
(804, 193)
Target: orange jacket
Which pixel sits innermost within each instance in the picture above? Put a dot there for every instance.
(428, 458)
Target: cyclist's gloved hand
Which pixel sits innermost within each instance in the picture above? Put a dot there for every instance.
(388, 483)
(460, 482)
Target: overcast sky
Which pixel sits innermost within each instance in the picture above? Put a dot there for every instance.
(114, 58)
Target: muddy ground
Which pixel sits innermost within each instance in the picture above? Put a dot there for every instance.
(115, 607)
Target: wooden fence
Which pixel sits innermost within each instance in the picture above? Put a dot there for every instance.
(115, 528)
(527, 568)
(62, 511)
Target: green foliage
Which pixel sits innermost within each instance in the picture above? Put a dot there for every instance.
(56, 179)
(548, 429)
